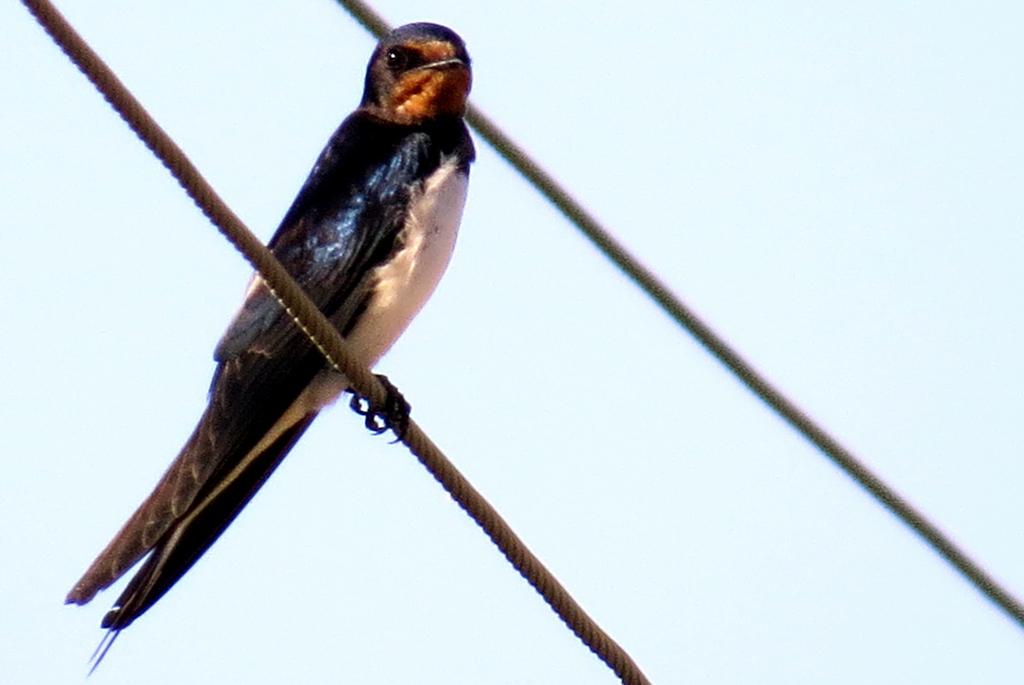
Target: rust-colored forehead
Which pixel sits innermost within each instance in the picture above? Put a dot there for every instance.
(432, 50)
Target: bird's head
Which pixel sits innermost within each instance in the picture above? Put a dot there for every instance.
(417, 73)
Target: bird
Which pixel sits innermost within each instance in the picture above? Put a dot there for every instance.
(368, 237)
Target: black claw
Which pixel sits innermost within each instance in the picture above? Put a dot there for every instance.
(393, 416)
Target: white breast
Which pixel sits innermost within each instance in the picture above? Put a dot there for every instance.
(403, 285)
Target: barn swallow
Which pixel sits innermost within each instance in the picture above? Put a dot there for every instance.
(368, 237)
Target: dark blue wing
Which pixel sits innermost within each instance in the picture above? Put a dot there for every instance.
(344, 222)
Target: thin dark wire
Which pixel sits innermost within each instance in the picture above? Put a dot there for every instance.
(330, 343)
(611, 248)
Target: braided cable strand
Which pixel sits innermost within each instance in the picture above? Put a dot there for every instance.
(329, 341)
(687, 319)
(755, 381)
(528, 565)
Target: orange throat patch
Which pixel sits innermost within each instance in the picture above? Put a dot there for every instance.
(422, 95)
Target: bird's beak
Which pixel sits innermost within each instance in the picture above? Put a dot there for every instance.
(444, 64)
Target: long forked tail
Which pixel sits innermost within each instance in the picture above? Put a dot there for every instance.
(216, 506)
(171, 497)
(212, 511)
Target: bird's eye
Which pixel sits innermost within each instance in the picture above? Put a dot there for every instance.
(397, 59)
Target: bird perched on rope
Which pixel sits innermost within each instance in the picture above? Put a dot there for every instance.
(368, 237)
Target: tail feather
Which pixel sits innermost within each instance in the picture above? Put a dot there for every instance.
(214, 508)
(172, 495)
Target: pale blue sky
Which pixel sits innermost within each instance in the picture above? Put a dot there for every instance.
(837, 188)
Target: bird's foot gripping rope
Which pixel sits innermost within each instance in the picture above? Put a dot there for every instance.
(393, 415)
